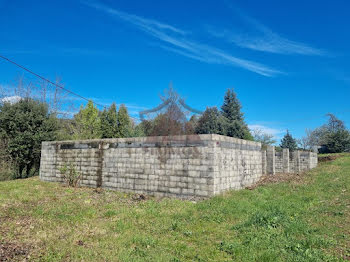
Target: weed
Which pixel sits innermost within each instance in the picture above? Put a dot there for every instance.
(70, 175)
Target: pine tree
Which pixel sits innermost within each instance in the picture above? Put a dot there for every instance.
(109, 123)
(88, 122)
(233, 117)
(289, 142)
(211, 122)
(124, 122)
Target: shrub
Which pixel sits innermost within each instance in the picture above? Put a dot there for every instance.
(70, 175)
(23, 126)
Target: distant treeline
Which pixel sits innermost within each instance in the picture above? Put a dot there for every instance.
(27, 121)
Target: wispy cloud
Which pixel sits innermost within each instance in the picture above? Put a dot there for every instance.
(259, 37)
(179, 43)
(143, 23)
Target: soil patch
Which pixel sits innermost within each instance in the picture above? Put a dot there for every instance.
(278, 178)
(11, 251)
(327, 158)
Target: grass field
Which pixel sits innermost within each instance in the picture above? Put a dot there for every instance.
(306, 218)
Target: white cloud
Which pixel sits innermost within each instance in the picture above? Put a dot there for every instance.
(10, 99)
(143, 23)
(179, 44)
(275, 132)
(262, 38)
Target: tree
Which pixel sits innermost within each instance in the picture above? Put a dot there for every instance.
(191, 125)
(234, 120)
(88, 122)
(109, 123)
(138, 130)
(289, 142)
(124, 122)
(337, 137)
(211, 122)
(262, 137)
(333, 136)
(171, 122)
(338, 141)
(24, 125)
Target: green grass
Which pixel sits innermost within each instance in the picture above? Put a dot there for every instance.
(307, 220)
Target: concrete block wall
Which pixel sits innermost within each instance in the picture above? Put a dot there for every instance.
(278, 162)
(178, 166)
(289, 162)
(237, 163)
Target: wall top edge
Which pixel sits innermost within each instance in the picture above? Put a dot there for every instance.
(152, 139)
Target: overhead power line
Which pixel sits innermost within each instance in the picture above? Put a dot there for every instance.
(87, 99)
(49, 81)
(52, 83)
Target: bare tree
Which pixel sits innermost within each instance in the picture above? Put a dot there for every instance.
(264, 138)
(59, 101)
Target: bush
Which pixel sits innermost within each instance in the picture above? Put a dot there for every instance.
(23, 126)
(70, 175)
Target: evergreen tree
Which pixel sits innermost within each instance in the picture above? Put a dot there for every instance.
(233, 117)
(124, 122)
(109, 123)
(289, 142)
(138, 130)
(337, 137)
(88, 122)
(23, 126)
(231, 108)
(211, 122)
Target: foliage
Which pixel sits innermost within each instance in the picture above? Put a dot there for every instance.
(262, 137)
(303, 220)
(70, 175)
(191, 125)
(289, 142)
(88, 122)
(170, 123)
(333, 136)
(124, 122)
(338, 141)
(24, 125)
(67, 129)
(138, 131)
(211, 122)
(109, 123)
(6, 165)
(234, 124)
(337, 137)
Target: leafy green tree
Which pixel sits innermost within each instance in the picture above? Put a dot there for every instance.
(289, 142)
(210, 122)
(24, 125)
(124, 122)
(88, 122)
(234, 120)
(109, 123)
(337, 137)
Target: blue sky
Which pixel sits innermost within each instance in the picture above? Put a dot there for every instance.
(288, 61)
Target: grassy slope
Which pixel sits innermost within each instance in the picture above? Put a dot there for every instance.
(291, 221)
